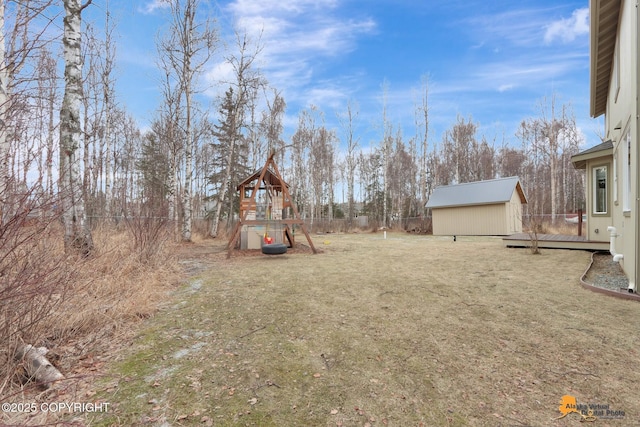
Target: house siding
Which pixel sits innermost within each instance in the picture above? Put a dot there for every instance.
(621, 118)
(483, 220)
(597, 223)
(514, 214)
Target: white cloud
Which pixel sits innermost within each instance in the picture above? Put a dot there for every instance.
(518, 27)
(567, 30)
(297, 36)
(153, 5)
(260, 7)
(506, 87)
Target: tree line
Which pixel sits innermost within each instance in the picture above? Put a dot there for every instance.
(189, 161)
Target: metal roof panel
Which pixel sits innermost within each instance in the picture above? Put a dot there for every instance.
(476, 193)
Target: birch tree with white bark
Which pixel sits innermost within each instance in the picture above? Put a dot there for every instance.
(77, 233)
(22, 36)
(386, 150)
(422, 134)
(187, 49)
(348, 122)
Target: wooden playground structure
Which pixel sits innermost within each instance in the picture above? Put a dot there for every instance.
(268, 215)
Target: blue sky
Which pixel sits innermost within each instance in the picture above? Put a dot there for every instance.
(492, 61)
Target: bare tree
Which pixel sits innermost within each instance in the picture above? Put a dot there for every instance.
(4, 141)
(511, 161)
(21, 37)
(422, 122)
(401, 175)
(48, 90)
(246, 84)
(188, 47)
(167, 128)
(301, 143)
(321, 163)
(272, 127)
(348, 122)
(386, 150)
(545, 140)
(77, 231)
(108, 93)
(463, 138)
(550, 128)
(485, 160)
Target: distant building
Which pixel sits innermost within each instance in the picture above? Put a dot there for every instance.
(482, 208)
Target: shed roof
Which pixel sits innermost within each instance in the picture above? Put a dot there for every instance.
(476, 193)
(601, 150)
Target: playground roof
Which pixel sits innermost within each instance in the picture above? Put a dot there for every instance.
(269, 177)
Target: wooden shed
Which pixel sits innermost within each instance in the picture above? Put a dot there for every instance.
(482, 208)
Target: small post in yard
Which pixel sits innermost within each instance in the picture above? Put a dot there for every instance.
(579, 222)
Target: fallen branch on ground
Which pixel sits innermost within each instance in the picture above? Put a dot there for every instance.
(37, 366)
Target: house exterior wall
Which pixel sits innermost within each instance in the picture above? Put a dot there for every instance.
(597, 223)
(482, 220)
(621, 119)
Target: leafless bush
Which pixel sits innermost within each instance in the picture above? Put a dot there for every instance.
(200, 228)
(149, 235)
(535, 227)
(53, 299)
(35, 273)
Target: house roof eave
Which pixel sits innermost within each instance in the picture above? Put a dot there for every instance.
(604, 30)
(601, 150)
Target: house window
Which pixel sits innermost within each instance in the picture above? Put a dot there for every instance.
(600, 190)
(626, 172)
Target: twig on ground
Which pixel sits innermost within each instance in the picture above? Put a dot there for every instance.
(252, 332)
(573, 372)
(470, 305)
(436, 293)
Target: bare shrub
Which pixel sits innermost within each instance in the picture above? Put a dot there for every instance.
(200, 229)
(74, 304)
(36, 275)
(127, 282)
(535, 226)
(149, 235)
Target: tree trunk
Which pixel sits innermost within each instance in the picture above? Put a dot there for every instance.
(188, 174)
(188, 83)
(50, 131)
(172, 190)
(4, 142)
(107, 88)
(77, 233)
(225, 187)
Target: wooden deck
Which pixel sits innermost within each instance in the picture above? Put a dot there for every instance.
(555, 241)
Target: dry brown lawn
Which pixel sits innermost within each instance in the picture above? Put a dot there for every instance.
(407, 331)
